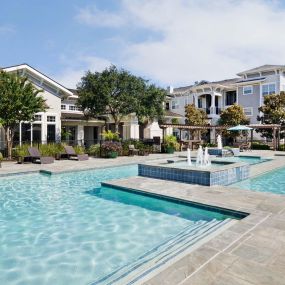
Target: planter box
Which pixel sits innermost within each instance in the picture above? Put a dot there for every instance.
(112, 154)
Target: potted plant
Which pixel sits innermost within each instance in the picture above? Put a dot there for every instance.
(111, 149)
(170, 144)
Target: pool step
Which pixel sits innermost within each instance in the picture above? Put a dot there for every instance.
(159, 255)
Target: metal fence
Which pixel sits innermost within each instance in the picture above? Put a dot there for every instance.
(154, 144)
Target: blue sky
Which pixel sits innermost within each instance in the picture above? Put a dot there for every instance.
(169, 42)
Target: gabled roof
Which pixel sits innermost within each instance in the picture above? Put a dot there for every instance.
(265, 67)
(39, 74)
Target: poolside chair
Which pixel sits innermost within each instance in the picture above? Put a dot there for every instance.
(37, 157)
(245, 147)
(72, 154)
(133, 150)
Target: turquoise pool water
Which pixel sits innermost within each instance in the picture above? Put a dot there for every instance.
(248, 159)
(64, 229)
(272, 181)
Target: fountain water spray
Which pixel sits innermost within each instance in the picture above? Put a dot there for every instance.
(189, 156)
(203, 158)
(206, 161)
(219, 142)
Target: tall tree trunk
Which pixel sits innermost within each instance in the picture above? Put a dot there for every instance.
(9, 141)
(116, 126)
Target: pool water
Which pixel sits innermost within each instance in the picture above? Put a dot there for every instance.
(184, 164)
(65, 229)
(272, 181)
(248, 159)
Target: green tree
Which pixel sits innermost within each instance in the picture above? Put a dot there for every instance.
(19, 101)
(119, 93)
(273, 112)
(232, 116)
(149, 103)
(195, 117)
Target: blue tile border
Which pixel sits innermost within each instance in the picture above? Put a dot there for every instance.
(226, 176)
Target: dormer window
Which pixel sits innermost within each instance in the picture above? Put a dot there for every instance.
(247, 90)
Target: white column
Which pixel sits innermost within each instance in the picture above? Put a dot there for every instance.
(80, 134)
(213, 103)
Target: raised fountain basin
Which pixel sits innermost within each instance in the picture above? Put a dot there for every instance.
(218, 173)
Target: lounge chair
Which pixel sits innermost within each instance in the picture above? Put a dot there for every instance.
(133, 150)
(72, 154)
(245, 147)
(37, 157)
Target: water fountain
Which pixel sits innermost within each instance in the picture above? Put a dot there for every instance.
(189, 162)
(219, 142)
(200, 156)
(206, 160)
(203, 158)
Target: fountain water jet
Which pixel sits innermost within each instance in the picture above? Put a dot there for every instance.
(219, 142)
(189, 162)
(203, 158)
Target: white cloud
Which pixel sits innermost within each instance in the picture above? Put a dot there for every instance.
(6, 29)
(94, 17)
(76, 68)
(204, 39)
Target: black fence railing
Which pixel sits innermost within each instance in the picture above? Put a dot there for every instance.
(151, 145)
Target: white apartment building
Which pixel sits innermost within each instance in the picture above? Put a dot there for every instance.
(63, 116)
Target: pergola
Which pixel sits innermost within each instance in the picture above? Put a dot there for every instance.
(274, 127)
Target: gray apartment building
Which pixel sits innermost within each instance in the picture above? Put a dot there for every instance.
(247, 89)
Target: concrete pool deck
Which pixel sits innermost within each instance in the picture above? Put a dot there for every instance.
(251, 252)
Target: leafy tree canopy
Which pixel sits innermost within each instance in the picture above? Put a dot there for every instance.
(195, 116)
(119, 93)
(232, 116)
(273, 112)
(19, 101)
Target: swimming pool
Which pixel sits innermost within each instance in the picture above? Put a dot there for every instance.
(272, 181)
(64, 229)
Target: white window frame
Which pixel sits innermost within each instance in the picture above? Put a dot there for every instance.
(63, 107)
(74, 107)
(250, 109)
(174, 104)
(248, 86)
(267, 84)
(51, 122)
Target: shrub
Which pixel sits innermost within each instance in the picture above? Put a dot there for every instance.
(51, 149)
(259, 146)
(109, 146)
(171, 141)
(21, 150)
(94, 150)
(110, 136)
(79, 149)
(1, 157)
(282, 147)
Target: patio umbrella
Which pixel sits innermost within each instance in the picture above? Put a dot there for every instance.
(239, 128)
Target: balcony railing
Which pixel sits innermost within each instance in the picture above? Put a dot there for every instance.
(212, 110)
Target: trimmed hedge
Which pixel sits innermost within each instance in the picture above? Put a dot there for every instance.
(260, 146)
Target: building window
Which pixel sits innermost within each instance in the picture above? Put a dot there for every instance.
(38, 118)
(231, 98)
(248, 111)
(268, 89)
(247, 90)
(51, 118)
(73, 108)
(63, 107)
(167, 106)
(174, 104)
(200, 103)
